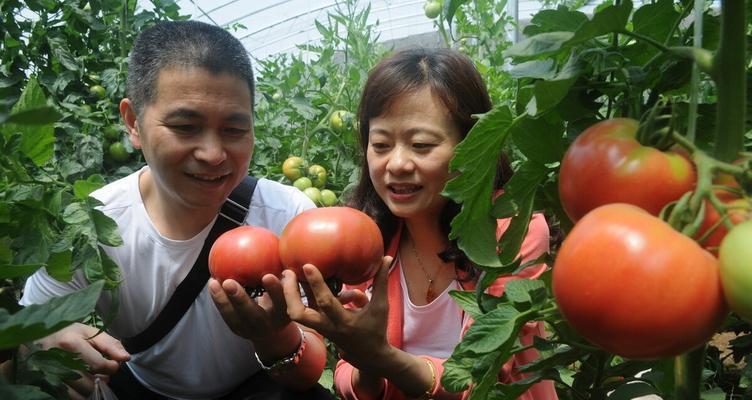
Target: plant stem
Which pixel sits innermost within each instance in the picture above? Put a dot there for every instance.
(688, 374)
(731, 82)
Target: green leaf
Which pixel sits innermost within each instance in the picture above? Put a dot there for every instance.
(655, 20)
(611, 19)
(106, 229)
(450, 8)
(466, 301)
(560, 19)
(540, 69)
(35, 116)
(521, 188)
(59, 265)
(539, 139)
(39, 320)
(23, 392)
(60, 50)
(82, 188)
(75, 214)
(520, 291)
(18, 271)
(37, 141)
(539, 45)
(491, 330)
(476, 158)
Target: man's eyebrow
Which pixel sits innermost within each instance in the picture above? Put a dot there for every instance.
(238, 118)
(182, 113)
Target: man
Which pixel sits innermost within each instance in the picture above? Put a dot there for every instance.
(189, 108)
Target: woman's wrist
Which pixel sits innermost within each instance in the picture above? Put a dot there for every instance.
(368, 386)
(273, 347)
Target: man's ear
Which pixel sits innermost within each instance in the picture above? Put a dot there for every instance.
(128, 114)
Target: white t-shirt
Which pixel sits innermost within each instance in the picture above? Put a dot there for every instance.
(433, 329)
(201, 357)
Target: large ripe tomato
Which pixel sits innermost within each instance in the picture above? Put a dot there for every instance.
(735, 257)
(606, 164)
(631, 284)
(341, 242)
(245, 254)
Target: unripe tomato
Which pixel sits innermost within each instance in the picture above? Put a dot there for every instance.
(432, 8)
(341, 242)
(735, 256)
(97, 90)
(302, 183)
(631, 284)
(314, 194)
(245, 254)
(606, 164)
(339, 121)
(118, 152)
(317, 174)
(328, 198)
(292, 168)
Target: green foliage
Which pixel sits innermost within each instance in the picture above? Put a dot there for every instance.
(299, 93)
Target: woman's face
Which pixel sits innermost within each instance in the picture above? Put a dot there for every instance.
(409, 148)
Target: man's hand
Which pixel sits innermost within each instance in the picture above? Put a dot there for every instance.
(101, 353)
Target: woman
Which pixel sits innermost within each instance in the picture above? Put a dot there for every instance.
(417, 105)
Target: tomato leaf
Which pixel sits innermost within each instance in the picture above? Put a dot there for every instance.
(450, 8)
(466, 301)
(539, 45)
(539, 139)
(82, 188)
(611, 19)
(106, 229)
(475, 158)
(524, 291)
(39, 320)
(25, 392)
(560, 19)
(491, 330)
(37, 141)
(18, 271)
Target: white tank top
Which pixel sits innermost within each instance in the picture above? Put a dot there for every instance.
(433, 329)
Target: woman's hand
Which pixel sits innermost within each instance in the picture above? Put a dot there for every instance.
(359, 332)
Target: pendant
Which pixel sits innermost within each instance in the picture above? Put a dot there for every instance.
(430, 293)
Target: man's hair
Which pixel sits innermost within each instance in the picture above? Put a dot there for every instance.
(183, 44)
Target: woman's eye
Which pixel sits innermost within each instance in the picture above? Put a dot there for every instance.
(423, 146)
(379, 146)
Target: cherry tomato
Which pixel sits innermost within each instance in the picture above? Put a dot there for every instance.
(606, 164)
(341, 242)
(631, 284)
(245, 254)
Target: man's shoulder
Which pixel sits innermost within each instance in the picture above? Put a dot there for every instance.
(118, 193)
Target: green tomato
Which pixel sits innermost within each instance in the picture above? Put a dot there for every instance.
(112, 132)
(735, 256)
(86, 108)
(303, 183)
(97, 90)
(432, 9)
(339, 121)
(118, 152)
(317, 174)
(293, 168)
(328, 198)
(314, 194)
(277, 96)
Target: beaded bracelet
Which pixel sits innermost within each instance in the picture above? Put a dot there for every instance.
(429, 392)
(288, 362)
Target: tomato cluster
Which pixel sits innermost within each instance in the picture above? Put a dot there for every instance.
(310, 180)
(324, 237)
(625, 279)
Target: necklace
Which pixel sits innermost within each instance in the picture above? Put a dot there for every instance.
(431, 292)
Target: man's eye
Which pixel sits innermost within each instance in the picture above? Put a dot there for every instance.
(237, 131)
(184, 128)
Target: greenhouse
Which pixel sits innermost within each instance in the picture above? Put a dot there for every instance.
(385, 199)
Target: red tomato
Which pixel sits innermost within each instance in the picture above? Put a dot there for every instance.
(245, 254)
(341, 242)
(606, 164)
(631, 284)
(741, 211)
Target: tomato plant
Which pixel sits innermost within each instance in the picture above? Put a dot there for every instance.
(245, 254)
(606, 164)
(735, 257)
(634, 286)
(341, 242)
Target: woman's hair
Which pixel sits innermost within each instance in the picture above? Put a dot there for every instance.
(455, 81)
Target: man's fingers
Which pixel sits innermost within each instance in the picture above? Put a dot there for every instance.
(356, 297)
(221, 301)
(110, 347)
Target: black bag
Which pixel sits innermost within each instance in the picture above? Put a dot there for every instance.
(232, 215)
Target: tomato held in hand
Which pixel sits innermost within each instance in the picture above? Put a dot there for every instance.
(245, 254)
(606, 164)
(341, 242)
(735, 256)
(631, 284)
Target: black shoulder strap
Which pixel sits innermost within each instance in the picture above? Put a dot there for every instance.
(231, 215)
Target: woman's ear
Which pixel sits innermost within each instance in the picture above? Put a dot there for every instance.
(130, 118)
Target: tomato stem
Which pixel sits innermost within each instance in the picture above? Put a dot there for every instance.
(688, 374)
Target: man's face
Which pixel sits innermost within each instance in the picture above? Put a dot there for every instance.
(196, 136)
